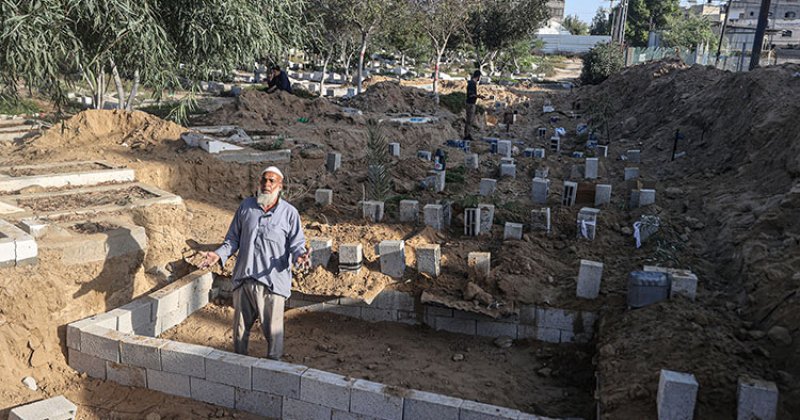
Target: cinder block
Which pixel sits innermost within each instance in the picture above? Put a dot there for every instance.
(631, 173)
(438, 311)
(321, 254)
(472, 161)
(569, 194)
(684, 283)
(323, 197)
(350, 257)
(541, 172)
(756, 399)
(141, 351)
(548, 335)
(540, 189)
(602, 194)
(279, 378)
(479, 264)
(508, 170)
(591, 168)
(230, 369)
(325, 388)
(647, 197)
(540, 219)
(343, 415)
(634, 155)
(527, 314)
(487, 218)
(376, 400)
(393, 299)
(333, 161)
(429, 259)
(260, 403)
(136, 313)
(300, 410)
(372, 210)
(526, 331)
(472, 410)
(409, 211)
(487, 186)
(165, 300)
(104, 320)
(589, 277)
(56, 408)
(213, 393)
(378, 315)
(394, 149)
(456, 325)
(677, 394)
(174, 317)
(407, 317)
(101, 342)
(26, 250)
(84, 363)
(393, 258)
(496, 329)
(555, 318)
(504, 148)
(126, 375)
(169, 383)
(420, 405)
(434, 216)
(185, 359)
(512, 231)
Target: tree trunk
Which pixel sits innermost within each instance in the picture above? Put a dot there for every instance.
(402, 60)
(347, 61)
(118, 83)
(88, 79)
(99, 94)
(134, 89)
(361, 52)
(324, 70)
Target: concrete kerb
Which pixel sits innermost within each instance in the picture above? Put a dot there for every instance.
(103, 347)
(10, 207)
(100, 172)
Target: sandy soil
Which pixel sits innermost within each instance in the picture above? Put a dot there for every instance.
(550, 380)
(728, 208)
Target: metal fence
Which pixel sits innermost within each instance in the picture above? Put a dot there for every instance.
(733, 60)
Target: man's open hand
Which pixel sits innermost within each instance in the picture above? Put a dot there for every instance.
(304, 260)
(210, 258)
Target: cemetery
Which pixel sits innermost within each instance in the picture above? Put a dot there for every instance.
(563, 263)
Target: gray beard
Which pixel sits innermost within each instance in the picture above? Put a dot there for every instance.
(267, 199)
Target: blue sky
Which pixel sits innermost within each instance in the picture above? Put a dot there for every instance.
(585, 9)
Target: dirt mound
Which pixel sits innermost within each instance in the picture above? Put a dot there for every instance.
(99, 129)
(737, 179)
(260, 111)
(389, 97)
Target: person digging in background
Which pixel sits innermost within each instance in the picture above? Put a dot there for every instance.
(267, 234)
(279, 81)
(472, 99)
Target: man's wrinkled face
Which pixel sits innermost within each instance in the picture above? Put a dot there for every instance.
(269, 188)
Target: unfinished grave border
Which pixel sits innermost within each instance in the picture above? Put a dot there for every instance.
(106, 173)
(551, 325)
(122, 346)
(9, 204)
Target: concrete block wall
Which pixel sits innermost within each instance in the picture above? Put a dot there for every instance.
(552, 325)
(104, 347)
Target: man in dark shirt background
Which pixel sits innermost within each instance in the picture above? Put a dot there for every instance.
(279, 81)
(472, 98)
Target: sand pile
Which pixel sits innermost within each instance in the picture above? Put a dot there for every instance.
(389, 97)
(98, 129)
(260, 111)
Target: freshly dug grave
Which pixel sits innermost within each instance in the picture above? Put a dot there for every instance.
(551, 380)
(66, 202)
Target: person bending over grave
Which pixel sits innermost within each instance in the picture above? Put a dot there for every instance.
(267, 233)
(279, 81)
(472, 99)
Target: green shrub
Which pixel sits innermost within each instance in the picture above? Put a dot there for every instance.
(454, 101)
(601, 62)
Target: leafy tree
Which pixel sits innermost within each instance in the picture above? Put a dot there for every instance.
(440, 20)
(495, 25)
(367, 16)
(645, 16)
(378, 178)
(404, 35)
(575, 26)
(689, 31)
(601, 23)
(600, 62)
(328, 32)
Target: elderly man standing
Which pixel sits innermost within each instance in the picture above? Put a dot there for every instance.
(267, 233)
